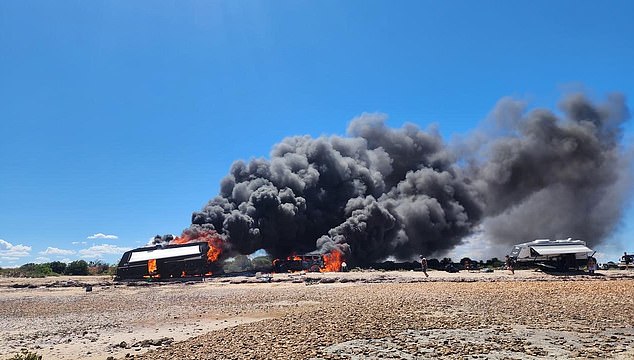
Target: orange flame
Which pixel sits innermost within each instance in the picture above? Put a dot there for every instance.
(215, 242)
(151, 266)
(332, 261)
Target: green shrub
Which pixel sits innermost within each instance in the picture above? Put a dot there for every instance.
(33, 270)
(240, 263)
(57, 267)
(78, 267)
(112, 270)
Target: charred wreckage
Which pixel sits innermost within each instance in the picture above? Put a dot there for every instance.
(165, 262)
(170, 257)
(188, 257)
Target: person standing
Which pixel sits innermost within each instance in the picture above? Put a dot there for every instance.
(626, 260)
(423, 265)
(509, 264)
(592, 265)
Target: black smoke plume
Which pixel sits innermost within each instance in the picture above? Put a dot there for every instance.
(384, 192)
(554, 176)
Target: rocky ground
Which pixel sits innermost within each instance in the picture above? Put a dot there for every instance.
(361, 315)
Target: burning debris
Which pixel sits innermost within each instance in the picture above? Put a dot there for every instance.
(313, 262)
(332, 262)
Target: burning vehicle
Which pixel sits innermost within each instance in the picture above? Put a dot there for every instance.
(200, 253)
(311, 262)
(190, 255)
(170, 261)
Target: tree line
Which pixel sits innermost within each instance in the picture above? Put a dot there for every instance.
(54, 268)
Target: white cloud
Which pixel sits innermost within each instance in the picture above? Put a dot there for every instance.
(8, 262)
(56, 251)
(79, 243)
(103, 236)
(8, 250)
(98, 251)
(42, 259)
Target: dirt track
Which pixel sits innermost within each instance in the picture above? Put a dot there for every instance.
(369, 315)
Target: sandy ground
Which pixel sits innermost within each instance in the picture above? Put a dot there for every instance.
(356, 315)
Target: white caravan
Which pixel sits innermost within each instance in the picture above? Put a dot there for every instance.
(559, 254)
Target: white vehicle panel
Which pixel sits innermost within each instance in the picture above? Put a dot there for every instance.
(561, 249)
(161, 253)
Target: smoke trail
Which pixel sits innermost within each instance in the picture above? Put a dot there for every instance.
(401, 192)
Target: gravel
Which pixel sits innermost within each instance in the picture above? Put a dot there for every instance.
(502, 320)
(357, 316)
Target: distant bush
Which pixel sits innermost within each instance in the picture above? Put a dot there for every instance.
(98, 267)
(242, 263)
(494, 263)
(238, 264)
(29, 270)
(112, 270)
(5, 272)
(57, 267)
(78, 267)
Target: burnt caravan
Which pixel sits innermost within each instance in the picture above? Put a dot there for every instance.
(165, 262)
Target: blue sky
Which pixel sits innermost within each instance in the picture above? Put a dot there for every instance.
(118, 118)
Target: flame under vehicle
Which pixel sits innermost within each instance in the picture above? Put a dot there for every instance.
(165, 262)
(560, 255)
(311, 262)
